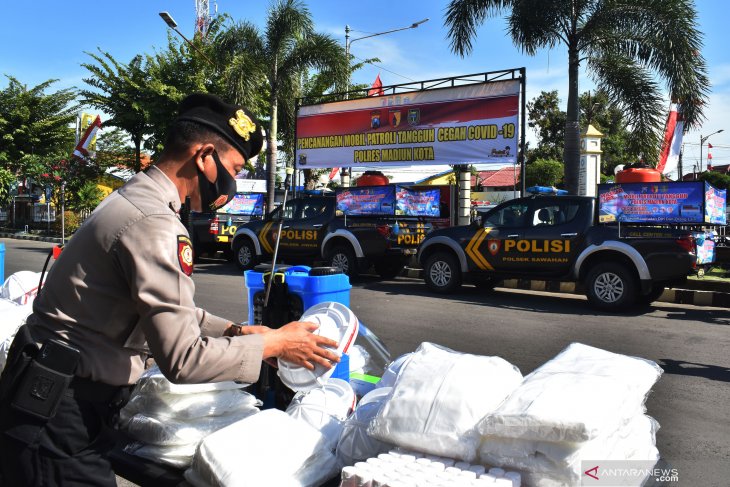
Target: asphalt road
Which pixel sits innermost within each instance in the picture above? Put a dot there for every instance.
(690, 401)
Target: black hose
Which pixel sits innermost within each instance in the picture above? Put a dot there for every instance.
(43, 272)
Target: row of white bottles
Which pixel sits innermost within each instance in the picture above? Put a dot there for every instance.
(404, 468)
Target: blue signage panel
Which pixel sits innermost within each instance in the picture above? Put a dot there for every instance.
(665, 202)
(247, 204)
(715, 205)
(410, 202)
(367, 200)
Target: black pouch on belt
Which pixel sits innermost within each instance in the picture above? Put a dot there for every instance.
(46, 379)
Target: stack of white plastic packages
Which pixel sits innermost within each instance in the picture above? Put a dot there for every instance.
(168, 420)
(439, 397)
(294, 448)
(17, 294)
(584, 404)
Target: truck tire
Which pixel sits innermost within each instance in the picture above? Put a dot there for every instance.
(389, 268)
(610, 286)
(343, 257)
(244, 254)
(442, 273)
(656, 291)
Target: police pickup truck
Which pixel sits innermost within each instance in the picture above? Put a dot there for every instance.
(559, 238)
(312, 229)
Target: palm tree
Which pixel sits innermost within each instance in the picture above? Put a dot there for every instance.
(287, 48)
(625, 45)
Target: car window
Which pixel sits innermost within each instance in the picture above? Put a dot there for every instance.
(289, 211)
(554, 213)
(508, 216)
(312, 209)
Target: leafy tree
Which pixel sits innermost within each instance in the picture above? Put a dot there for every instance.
(7, 178)
(286, 49)
(34, 125)
(544, 172)
(718, 180)
(548, 121)
(625, 45)
(87, 197)
(113, 149)
(120, 90)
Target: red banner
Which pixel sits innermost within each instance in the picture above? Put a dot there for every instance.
(463, 124)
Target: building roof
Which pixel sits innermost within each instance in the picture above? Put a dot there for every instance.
(497, 178)
(430, 179)
(493, 178)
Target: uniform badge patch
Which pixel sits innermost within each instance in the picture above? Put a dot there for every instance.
(185, 254)
(493, 246)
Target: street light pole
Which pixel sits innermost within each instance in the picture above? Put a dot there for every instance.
(702, 143)
(173, 25)
(346, 171)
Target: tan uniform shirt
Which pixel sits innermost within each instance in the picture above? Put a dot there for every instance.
(119, 287)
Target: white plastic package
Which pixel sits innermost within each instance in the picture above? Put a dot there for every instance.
(580, 394)
(176, 456)
(354, 444)
(550, 457)
(638, 445)
(438, 399)
(269, 448)
(21, 287)
(325, 409)
(391, 372)
(12, 317)
(168, 431)
(188, 406)
(153, 381)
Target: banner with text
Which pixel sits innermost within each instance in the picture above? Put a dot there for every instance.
(715, 205)
(366, 200)
(409, 202)
(245, 204)
(475, 123)
(668, 202)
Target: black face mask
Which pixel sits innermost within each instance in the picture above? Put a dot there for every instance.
(217, 194)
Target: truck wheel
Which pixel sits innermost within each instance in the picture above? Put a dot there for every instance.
(611, 286)
(389, 268)
(656, 291)
(343, 257)
(244, 253)
(442, 273)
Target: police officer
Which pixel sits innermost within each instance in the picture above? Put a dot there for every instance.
(121, 291)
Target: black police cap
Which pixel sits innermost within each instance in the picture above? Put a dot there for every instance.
(236, 124)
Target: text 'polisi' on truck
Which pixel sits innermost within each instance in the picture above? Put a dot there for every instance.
(580, 239)
(352, 229)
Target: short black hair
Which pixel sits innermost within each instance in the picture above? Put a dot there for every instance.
(182, 134)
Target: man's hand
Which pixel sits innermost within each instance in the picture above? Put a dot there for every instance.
(235, 330)
(295, 343)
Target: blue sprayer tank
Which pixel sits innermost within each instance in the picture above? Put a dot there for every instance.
(306, 286)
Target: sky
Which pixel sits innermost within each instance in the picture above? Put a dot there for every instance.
(47, 39)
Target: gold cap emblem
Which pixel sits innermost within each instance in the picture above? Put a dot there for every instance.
(242, 124)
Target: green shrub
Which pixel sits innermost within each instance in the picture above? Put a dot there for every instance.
(72, 222)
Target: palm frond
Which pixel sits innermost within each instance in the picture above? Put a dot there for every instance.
(536, 24)
(632, 87)
(464, 16)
